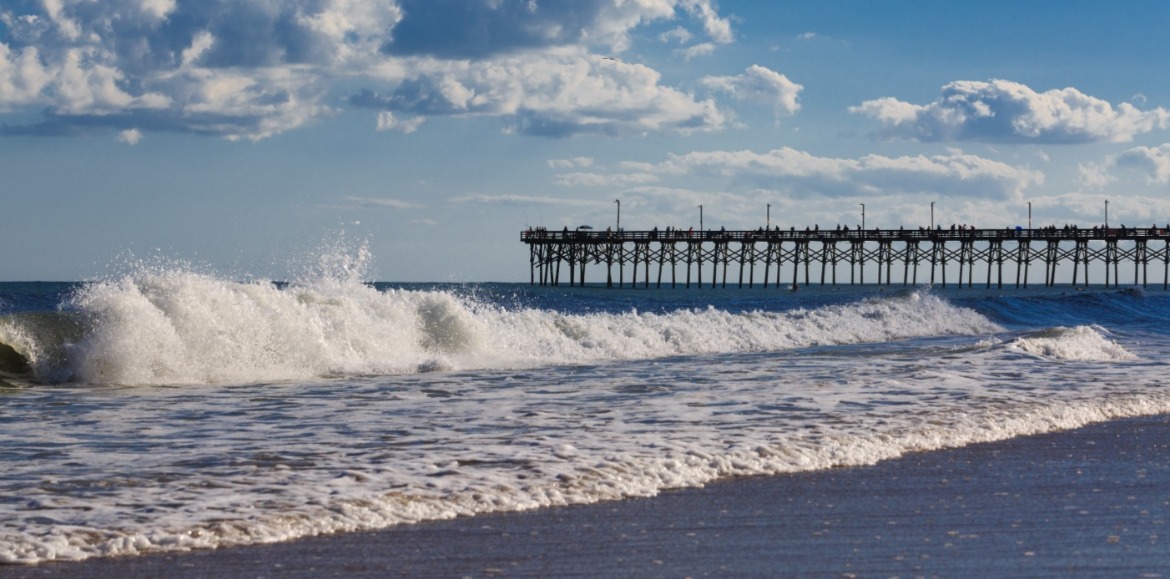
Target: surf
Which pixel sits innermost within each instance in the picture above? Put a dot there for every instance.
(34, 345)
(1079, 343)
(181, 327)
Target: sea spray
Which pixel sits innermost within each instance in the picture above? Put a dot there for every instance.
(402, 403)
(183, 327)
(1083, 343)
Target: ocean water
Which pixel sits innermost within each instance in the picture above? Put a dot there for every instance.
(169, 409)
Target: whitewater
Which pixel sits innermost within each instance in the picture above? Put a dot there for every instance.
(169, 409)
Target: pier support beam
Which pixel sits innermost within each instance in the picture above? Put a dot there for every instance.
(575, 250)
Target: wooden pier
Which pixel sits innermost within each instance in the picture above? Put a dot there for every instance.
(788, 258)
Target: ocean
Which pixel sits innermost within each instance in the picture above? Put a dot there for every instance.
(169, 409)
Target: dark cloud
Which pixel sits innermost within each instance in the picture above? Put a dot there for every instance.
(536, 124)
(247, 34)
(420, 96)
(41, 129)
(253, 34)
(54, 125)
(462, 29)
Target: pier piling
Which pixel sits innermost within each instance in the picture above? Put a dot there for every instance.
(777, 249)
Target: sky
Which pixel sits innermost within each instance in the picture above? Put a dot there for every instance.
(254, 139)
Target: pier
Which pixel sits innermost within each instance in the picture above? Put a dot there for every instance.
(789, 258)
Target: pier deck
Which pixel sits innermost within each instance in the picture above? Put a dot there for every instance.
(782, 256)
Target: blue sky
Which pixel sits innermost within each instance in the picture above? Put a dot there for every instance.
(248, 137)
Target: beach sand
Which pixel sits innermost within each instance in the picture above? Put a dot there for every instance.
(1091, 502)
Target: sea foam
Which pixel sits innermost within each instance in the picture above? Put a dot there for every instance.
(722, 394)
(1080, 343)
(182, 327)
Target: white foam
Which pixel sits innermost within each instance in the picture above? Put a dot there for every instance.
(16, 336)
(182, 327)
(214, 466)
(222, 466)
(1080, 343)
(574, 477)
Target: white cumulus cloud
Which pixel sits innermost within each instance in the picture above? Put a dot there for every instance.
(1010, 112)
(559, 94)
(802, 174)
(760, 85)
(388, 122)
(691, 52)
(1152, 164)
(130, 136)
(250, 69)
(23, 77)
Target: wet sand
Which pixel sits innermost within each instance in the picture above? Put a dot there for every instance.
(1091, 502)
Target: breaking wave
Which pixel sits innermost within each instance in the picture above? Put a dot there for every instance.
(177, 326)
(1080, 343)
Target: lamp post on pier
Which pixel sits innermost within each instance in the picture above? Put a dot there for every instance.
(768, 224)
(700, 220)
(619, 214)
(862, 216)
(1029, 216)
(1106, 214)
(932, 214)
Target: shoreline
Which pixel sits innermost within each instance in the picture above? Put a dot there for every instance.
(1091, 501)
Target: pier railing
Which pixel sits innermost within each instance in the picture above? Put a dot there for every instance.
(577, 235)
(775, 250)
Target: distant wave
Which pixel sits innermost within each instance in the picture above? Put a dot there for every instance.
(1133, 308)
(181, 327)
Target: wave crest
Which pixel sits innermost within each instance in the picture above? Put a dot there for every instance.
(181, 327)
(1080, 343)
(192, 328)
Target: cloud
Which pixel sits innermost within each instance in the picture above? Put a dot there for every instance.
(522, 199)
(762, 86)
(130, 136)
(716, 27)
(680, 35)
(1089, 208)
(388, 122)
(1007, 112)
(382, 202)
(704, 49)
(554, 95)
(22, 78)
(250, 69)
(603, 180)
(570, 163)
(1152, 164)
(235, 69)
(486, 29)
(718, 30)
(801, 174)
